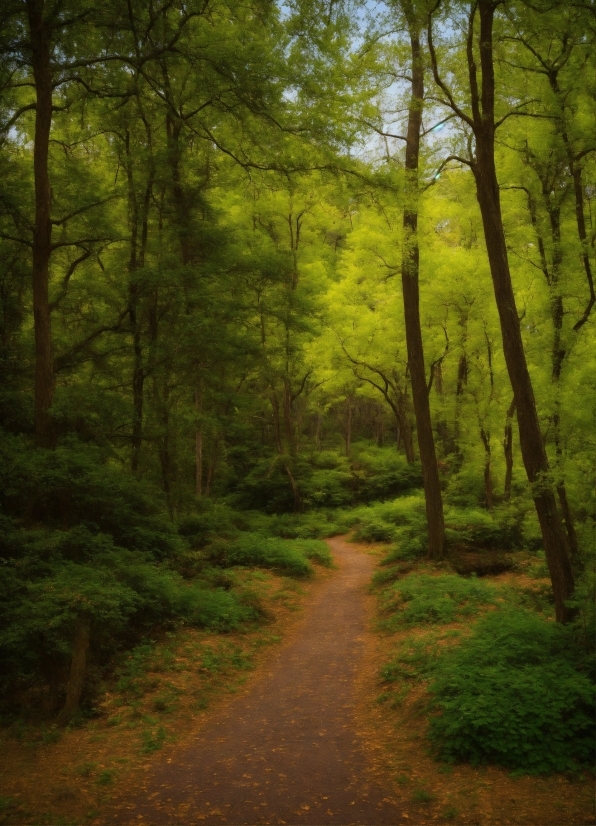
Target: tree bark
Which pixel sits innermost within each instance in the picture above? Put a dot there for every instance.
(40, 34)
(78, 668)
(349, 429)
(488, 479)
(405, 427)
(531, 442)
(508, 450)
(411, 299)
(199, 442)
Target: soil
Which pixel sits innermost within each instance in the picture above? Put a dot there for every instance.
(287, 751)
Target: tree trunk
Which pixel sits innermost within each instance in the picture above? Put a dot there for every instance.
(404, 429)
(349, 430)
(295, 491)
(199, 442)
(40, 35)
(488, 479)
(508, 450)
(78, 668)
(318, 432)
(411, 299)
(532, 446)
(138, 378)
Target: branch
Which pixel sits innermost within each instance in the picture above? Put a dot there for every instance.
(515, 114)
(29, 108)
(442, 86)
(442, 166)
(80, 241)
(67, 277)
(294, 396)
(82, 209)
(436, 362)
(17, 240)
(380, 131)
(436, 126)
(63, 361)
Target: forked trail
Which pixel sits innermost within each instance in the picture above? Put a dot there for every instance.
(287, 750)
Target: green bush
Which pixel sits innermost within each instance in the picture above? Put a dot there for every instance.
(421, 598)
(511, 694)
(382, 473)
(264, 551)
(122, 592)
(316, 524)
(327, 488)
(387, 521)
(473, 527)
(74, 485)
(315, 550)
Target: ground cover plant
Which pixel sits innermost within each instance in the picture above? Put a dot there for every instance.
(497, 681)
(512, 694)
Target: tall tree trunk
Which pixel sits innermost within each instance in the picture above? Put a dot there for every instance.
(78, 667)
(138, 378)
(349, 429)
(40, 34)
(404, 427)
(488, 479)
(531, 442)
(411, 299)
(199, 441)
(318, 431)
(508, 450)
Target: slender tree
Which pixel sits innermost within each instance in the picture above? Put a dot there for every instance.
(411, 296)
(482, 124)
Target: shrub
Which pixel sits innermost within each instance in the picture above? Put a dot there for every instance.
(315, 524)
(394, 520)
(422, 598)
(267, 552)
(471, 527)
(511, 694)
(315, 550)
(382, 473)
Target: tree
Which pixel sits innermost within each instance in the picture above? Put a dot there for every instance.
(482, 124)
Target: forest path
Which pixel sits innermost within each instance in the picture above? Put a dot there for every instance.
(287, 750)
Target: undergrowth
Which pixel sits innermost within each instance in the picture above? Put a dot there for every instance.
(422, 598)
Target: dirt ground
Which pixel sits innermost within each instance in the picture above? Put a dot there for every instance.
(241, 731)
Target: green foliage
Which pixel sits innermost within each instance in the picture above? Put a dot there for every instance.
(314, 524)
(415, 659)
(285, 555)
(392, 520)
(511, 694)
(75, 485)
(473, 527)
(383, 473)
(421, 598)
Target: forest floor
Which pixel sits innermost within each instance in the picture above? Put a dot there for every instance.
(207, 728)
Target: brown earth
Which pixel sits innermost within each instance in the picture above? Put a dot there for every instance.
(288, 750)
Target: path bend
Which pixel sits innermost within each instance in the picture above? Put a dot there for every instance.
(287, 751)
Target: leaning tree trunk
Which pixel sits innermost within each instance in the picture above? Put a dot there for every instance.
(411, 299)
(531, 442)
(40, 34)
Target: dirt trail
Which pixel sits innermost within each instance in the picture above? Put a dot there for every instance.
(287, 750)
